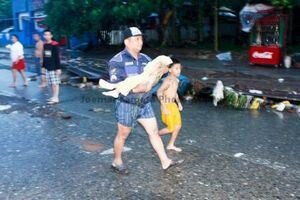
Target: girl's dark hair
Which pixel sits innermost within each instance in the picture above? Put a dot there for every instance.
(174, 61)
(47, 30)
(14, 35)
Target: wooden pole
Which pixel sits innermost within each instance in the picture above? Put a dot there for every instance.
(216, 29)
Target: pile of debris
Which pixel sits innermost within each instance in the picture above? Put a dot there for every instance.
(252, 100)
(90, 69)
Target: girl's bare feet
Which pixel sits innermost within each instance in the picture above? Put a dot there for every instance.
(174, 148)
(43, 85)
(13, 85)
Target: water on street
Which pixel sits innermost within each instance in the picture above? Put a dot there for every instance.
(65, 151)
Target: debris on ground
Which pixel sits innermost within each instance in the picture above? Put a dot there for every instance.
(218, 92)
(224, 56)
(90, 68)
(238, 155)
(235, 99)
(280, 80)
(5, 107)
(255, 92)
(256, 103)
(107, 110)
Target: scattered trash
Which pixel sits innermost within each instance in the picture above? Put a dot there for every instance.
(224, 56)
(249, 99)
(82, 85)
(72, 125)
(235, 99)
(282, 106)
(188, 97)
(255, 92)
(287, 61)
(190, 142)
(5, 107)
(218, 93)
(280, 80)
(255, 105)
(111, 151)
(97, 110)
(238, 155)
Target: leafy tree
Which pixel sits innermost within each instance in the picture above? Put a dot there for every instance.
(5, 9)
(283, 3)
(5, 13)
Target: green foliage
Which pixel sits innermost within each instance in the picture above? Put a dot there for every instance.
(69, 17)
(283, 3)
(5, 9)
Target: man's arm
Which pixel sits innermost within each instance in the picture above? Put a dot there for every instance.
(57, 57)
(43, 57)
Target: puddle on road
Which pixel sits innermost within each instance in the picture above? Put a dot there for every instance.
(91, 146)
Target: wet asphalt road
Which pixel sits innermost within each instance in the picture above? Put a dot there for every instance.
(64, 151)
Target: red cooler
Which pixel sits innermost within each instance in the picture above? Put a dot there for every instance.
(265, 55)
(268, 40)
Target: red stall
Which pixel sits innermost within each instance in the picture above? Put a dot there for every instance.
(268, 40)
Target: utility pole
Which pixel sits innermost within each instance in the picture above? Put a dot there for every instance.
(216, 29)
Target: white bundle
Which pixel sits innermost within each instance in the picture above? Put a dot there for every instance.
(218, 93)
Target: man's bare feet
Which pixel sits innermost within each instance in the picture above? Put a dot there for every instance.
(172, 164)
(174, 148)
(166, 165)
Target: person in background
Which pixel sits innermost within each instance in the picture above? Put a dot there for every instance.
(18, 62)
(38, 53)
(51, 63)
